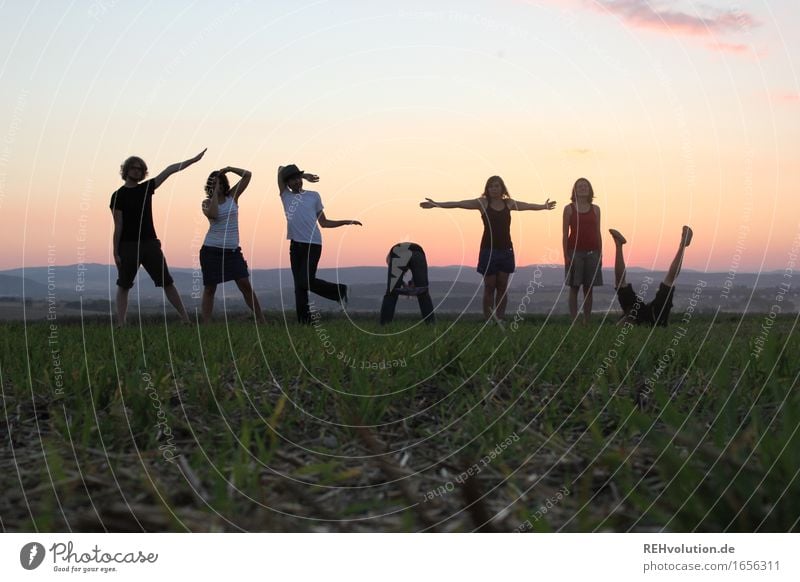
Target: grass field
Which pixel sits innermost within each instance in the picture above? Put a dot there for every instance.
(347, 426)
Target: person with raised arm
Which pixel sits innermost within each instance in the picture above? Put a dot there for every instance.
(135, 242)
(304, 217)
(496, 257)
(221, 257)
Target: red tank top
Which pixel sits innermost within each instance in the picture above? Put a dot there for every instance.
(584, 232)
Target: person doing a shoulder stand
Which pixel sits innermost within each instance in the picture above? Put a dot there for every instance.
(635, 310)
(304, 212)
(221, 257)
(135, 242)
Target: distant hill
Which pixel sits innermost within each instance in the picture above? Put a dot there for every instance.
(13, 286)
(454, 288)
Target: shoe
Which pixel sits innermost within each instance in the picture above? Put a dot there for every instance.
(686, 236)
(617, 236)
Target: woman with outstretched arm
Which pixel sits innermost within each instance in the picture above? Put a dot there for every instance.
(496, 256)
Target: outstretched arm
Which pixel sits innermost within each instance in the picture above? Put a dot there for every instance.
(472, 204)
(169, 170)
(325, 222)
(240, 186)
(548, 205)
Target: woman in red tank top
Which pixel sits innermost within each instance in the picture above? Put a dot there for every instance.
(496, 257)
(583, 247)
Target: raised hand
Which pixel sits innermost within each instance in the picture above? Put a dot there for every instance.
(550, 204)
(311, 177)
(199, 156)
(428, 204)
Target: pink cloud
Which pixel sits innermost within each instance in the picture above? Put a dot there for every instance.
(788, 97)
(734, 48)
(652, 15)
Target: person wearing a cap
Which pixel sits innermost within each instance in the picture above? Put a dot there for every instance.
(403, 257)
(304, 216)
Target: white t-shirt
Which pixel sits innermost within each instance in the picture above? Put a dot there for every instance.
(301, 211)
(223, 231)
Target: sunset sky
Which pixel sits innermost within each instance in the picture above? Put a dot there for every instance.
(678, 112)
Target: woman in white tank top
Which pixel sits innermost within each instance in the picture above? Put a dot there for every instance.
(221, 256)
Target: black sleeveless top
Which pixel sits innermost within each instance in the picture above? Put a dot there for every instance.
(496, 228)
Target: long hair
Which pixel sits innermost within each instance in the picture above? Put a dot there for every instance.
(223, 180)
(575, 187)
(502, 184)
(126, 166)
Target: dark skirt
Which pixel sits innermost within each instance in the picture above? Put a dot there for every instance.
(220, 265)
(493, 261)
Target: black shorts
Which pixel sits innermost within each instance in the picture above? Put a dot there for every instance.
(654, 313)
(146, 253)
(220, 265)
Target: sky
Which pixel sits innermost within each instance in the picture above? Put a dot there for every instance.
(678, 112)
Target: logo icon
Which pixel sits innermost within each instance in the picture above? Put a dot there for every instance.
(31, 555)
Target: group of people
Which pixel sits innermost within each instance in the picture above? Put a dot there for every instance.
(135, 244)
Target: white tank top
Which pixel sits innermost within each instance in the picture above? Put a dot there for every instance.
(223, 232)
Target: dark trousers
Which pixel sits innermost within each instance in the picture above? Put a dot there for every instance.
(418, 265)
(304, 258)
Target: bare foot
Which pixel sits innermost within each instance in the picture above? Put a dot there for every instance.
(617, 236)
(686, 236)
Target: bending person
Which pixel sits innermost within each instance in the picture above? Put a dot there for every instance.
(496, 257)
(221, 257)
(635, 310)
(135, 242)
(401, 258)
(304, 211)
